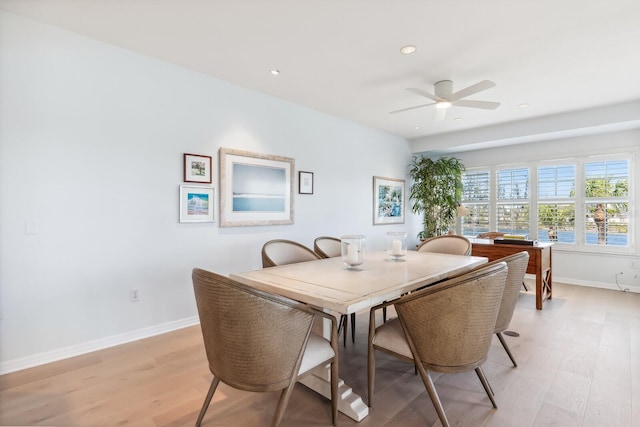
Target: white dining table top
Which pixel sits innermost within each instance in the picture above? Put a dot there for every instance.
(327, 284)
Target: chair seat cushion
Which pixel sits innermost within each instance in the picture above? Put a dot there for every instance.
(318, 350)
(391, 336)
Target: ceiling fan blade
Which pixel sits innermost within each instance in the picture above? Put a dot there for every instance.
(473, 89)
(410, 108)
(440, 114)
(486, 105)
(422, 93)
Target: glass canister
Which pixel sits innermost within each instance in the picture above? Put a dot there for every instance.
(396, 245)
(352, 251)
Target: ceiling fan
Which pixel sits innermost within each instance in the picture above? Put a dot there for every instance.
(444, 97)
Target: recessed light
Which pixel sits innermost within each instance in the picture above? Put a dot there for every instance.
(408, 49)
(417, 128)
(274, 72)
(457, 119)
(523, 105)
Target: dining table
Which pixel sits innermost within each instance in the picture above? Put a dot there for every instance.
(329, 285)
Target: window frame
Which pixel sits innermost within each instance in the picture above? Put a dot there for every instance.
(630, 247)
(558, 200)
(471, 203)
(580, 199)
(511, 201)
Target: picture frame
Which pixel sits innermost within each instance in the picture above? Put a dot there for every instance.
(255, 188)
(197, 203)
(305, 182)
(388, 200)
(197, 168)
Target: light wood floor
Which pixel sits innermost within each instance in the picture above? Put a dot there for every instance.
(579, 365)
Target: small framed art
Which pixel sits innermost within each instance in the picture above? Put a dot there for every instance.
(196, 203)
(388, 200)
(197, 168)
(305, 182)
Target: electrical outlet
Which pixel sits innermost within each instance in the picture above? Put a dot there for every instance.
(633, 265)
(134, 295)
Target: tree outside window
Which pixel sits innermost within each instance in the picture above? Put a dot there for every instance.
(607, 203)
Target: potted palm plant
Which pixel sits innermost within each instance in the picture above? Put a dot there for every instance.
(436, 192)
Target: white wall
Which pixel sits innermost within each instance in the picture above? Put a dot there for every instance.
(589, 268)
(91, 147)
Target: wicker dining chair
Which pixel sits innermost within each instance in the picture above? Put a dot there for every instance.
(447, 244)
(498, 235)
(282, 252)
(260, 342)
(331, 247)
(327, 247)
(443, 328)
(517, 265)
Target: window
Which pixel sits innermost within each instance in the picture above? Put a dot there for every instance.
(583, 202)
(512, 201)
(556, 203)
(606, 192)
(475, 197)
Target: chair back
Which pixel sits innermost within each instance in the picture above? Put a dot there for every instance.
(517, 266)
(449, 326)
(254, 340)
(282, 252)
(447, 244)
(327, 247)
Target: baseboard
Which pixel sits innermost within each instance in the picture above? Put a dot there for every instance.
(87, 347)
(569, 281)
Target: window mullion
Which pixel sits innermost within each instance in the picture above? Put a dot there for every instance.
(533, 202)
(493, 197)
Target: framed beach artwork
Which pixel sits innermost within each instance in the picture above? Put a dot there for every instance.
(197, 168)
(255, 189)
(388, 200)
(196, 203)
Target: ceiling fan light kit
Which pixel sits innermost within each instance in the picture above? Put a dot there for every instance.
(444, 97)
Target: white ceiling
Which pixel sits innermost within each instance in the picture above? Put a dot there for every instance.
(343, 57)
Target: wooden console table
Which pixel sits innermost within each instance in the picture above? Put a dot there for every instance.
(539, 262)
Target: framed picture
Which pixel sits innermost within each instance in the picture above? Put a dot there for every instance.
(255, 189)
(197, 168)
(196, 203)
(305, 182)
(388, 200)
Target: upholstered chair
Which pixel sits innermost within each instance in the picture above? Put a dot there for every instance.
(330, 247)
(447, 244)
(282, 252)
(443, 328)
(517, 265)
(327, 247)
(260, 342)
(496, 235)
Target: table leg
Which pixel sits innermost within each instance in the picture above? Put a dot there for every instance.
(546, 283)
(349, 403)
(543, 287)
(539, 290)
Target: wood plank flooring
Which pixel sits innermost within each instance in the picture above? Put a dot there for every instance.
(579, 365)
